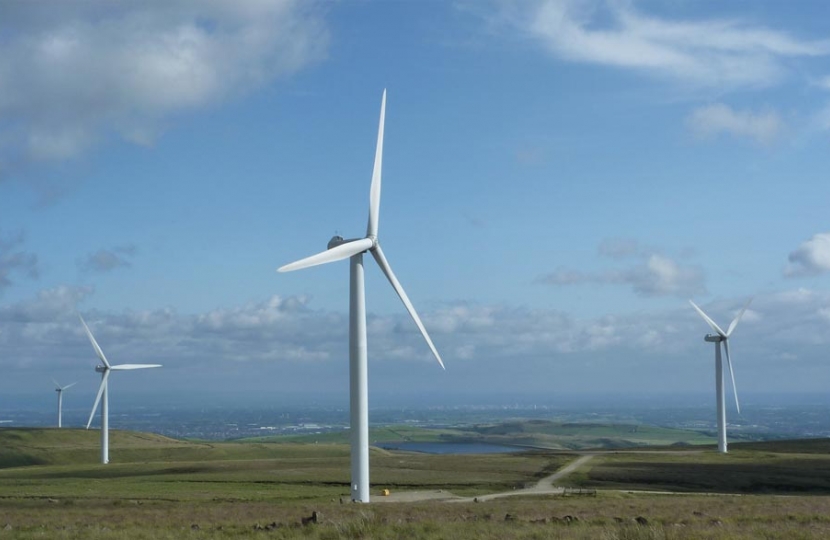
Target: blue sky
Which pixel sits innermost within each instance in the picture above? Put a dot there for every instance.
(559, 178)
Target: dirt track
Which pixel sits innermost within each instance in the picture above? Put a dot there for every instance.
(545, 486)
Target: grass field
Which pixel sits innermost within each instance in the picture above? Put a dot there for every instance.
(155, 487)
(605, 517)
(147, 463)
(532, 433)
(779, 467)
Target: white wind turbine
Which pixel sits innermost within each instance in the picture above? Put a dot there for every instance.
(353, 249)
(722, 337)
(104, 370)
(59, 389)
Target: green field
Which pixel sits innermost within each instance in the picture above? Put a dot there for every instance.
(151, 463)
(156, 487)
(530, 433)
(582, 435)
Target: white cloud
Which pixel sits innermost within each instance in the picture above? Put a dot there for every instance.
(662, 276)
(712, 120)
(714, 53)
(654, 275)
(72, 72)
(810, 258)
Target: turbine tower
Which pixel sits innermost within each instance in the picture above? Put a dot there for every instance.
(59, 389)
(721, 337)
(104, 370)
(353, 249)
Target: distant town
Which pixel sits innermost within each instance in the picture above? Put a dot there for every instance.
(757, 422)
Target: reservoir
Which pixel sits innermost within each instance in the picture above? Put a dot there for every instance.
(449, 448)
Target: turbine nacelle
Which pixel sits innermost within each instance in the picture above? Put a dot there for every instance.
(100, 369)
(59, 388)
(713, 338)
(335, 241)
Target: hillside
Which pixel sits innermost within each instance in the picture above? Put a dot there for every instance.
(50, 446)
(143, 466)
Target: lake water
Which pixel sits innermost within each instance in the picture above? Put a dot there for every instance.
(450, 448)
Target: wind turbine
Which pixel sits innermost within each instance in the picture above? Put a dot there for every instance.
(722, 337)
(353, 249)
(59, 389)
(104, 370)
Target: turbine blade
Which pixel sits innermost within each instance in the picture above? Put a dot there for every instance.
(734, 322)
(98, 397)
(377, 253)
(69, 385)
(374, 191)
(127, 367)
(95, 346)
(732, 374)
(706, 318)
(57, 385)
(343, 251)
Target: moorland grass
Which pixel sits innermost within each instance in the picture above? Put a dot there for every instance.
(604, 517)
(180, 470)
(159, 488)
(759, 468)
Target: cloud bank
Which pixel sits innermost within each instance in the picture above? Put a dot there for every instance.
(282, 344)
(714, 53)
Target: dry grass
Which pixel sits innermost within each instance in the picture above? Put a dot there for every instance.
(740, 471)
(184, 490)
(605, 517)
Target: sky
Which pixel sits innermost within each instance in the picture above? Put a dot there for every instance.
(559, 178)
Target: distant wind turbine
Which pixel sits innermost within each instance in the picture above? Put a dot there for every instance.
(104, 370)
(59, 389)
(722, 337)
(353, 249)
